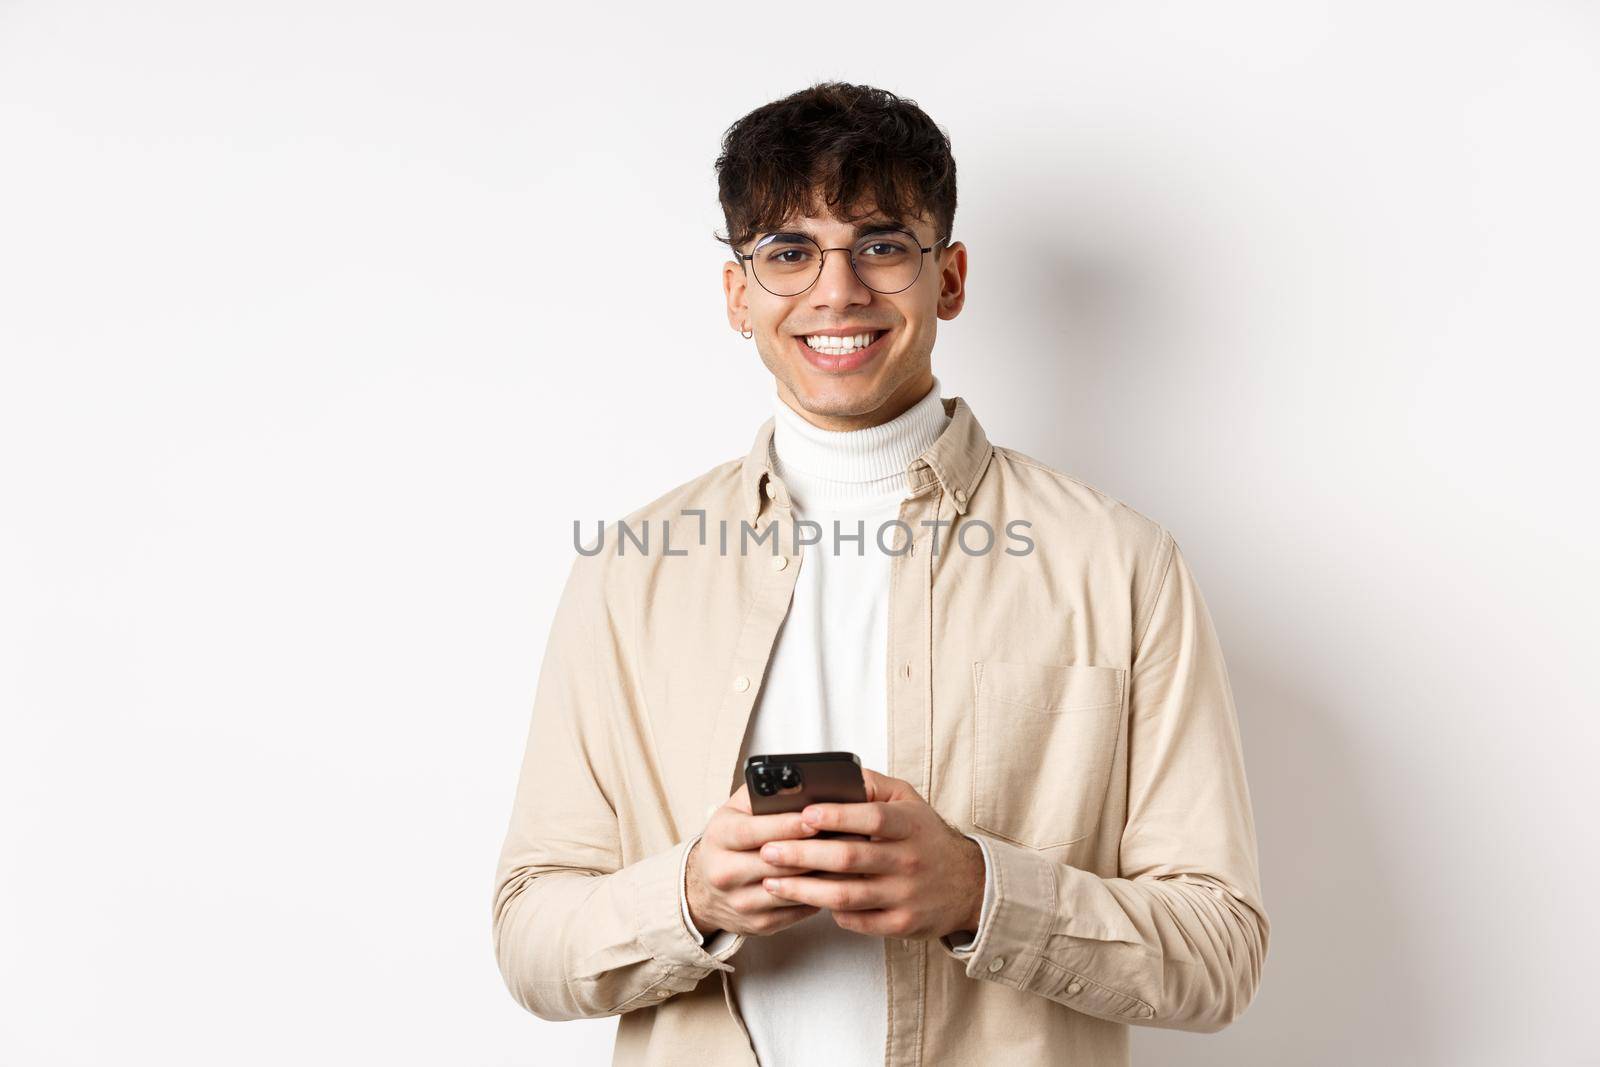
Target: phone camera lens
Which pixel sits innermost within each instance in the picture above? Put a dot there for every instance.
(765, 786)
(788, 777)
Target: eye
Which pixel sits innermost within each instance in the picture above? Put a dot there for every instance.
(886, 247)
(785, 256)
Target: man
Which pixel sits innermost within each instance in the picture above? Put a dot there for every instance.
(1058, 841)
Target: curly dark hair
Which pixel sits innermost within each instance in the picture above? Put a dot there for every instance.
(854, 144)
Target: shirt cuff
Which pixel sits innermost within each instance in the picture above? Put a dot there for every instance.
(649, 888)
(683, 892)
(1037, 908)
(961, 949)
(1019, 911)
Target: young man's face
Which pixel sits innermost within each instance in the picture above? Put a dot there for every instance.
(841, 390)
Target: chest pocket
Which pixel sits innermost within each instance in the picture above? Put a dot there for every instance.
(1044, 738)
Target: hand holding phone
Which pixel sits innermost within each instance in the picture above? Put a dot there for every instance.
(725, 874)
(788, 782)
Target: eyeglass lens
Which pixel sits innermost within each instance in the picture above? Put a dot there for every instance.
(886, 261)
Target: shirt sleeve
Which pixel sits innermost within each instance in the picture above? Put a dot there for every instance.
(1179, 938)
(578, 934)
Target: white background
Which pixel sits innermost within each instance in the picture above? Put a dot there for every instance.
(316, 339)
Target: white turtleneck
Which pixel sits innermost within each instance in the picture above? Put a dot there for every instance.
(855, 471)
(815, 992)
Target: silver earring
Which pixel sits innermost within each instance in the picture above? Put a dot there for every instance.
(745, 335)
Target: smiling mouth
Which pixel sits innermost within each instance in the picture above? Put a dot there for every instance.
(840, 346)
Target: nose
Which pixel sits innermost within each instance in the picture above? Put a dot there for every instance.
(837, 286)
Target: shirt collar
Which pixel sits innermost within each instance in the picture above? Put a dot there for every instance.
(956, 460)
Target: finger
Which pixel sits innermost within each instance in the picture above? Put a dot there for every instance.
(748, 868)
(854, 857)
(885, 787)
(834, 894)
(873, 818)
(879, 922)
(744, 832)
(788, 915)
(755, 900)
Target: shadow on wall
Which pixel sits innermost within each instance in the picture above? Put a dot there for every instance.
(1342, 978)
(1105, 336)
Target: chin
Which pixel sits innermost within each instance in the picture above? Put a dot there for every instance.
(839, 396)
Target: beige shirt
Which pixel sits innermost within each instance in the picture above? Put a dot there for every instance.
(1063, 694)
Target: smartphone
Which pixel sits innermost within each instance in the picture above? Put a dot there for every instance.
(790, 781)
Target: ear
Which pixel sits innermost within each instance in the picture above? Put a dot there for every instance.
(735, 287)
(952, 280)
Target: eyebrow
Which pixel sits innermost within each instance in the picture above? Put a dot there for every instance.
(872, 226)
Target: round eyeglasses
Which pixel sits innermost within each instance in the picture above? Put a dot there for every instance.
(887, 261)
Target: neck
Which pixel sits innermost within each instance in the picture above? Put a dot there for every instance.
(853, 469)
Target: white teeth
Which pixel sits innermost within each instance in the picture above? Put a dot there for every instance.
(825, 343)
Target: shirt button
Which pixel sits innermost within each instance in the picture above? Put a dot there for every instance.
(997, 963)
(741, 683)
(779, 562)
(771, 492)
(663, 993)
(1075, 987)
(961, 496)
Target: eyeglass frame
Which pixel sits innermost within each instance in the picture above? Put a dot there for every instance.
(822, 258)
